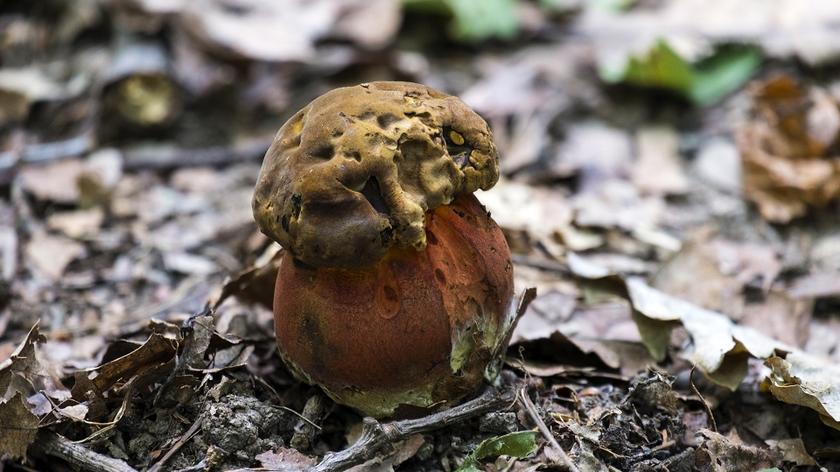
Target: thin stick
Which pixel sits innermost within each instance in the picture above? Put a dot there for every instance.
(178, 445)
(377, 436)
(279, 398)
(702, 399)
(52, 444)
(305, 433)
(552, 441)
(170, 157)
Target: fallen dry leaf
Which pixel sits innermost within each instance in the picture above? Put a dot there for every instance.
(77, 224)
(719, 164)
(285, 459)
(783, 28)
(721, 348)
(780, 316)
(789, 163)
(18, 428)
(51, 254)
(269, 31)
(254, 284)
(694, 274)
(792, 450)
(21, 367)
(98, 380)
(594, 151)
(616, 203)
(521, 207)
(715, 273)
(17, 373)
(816, 285)
(74, 412)
(801, 379)
(658, 168)
(719, 453)
(55, 182)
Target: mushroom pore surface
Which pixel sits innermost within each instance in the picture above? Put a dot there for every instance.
(354, 173)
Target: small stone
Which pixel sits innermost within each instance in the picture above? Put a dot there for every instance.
(498, 422)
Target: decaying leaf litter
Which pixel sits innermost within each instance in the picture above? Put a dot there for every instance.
(672, 199)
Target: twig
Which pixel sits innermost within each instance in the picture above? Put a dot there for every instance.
(273, 391)
(377, 436)
(200, 466)
(552, 441)
(170, 157)
(702, 399)
(306, 430)
(178, 445)
(57, 150)
(39, 153)
(128, 388)
(52, 444)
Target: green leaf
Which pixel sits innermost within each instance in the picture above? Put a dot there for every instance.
(703, 83)
(560, 5)
(519, 444)
(723, 73)
(568, 6)
(661, 67)
(474, 20)
(428, 6)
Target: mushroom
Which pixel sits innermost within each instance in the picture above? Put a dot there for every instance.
(394, 289)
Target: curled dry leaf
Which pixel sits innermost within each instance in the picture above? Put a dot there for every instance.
(19, 424)
(721, 348)
(21, 366)
(98, 380)
(801, 379)
(254, 284)
(18, 428)
(789, 149)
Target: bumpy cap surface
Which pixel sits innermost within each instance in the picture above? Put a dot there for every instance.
(353, 173)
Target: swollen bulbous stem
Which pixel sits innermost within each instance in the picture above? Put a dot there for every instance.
(412, 332)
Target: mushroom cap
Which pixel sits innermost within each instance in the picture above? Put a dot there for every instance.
(353, 173)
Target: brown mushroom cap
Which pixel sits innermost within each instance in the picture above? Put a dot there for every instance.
(353, 173)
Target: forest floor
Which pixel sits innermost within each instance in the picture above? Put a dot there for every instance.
(672, 197)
